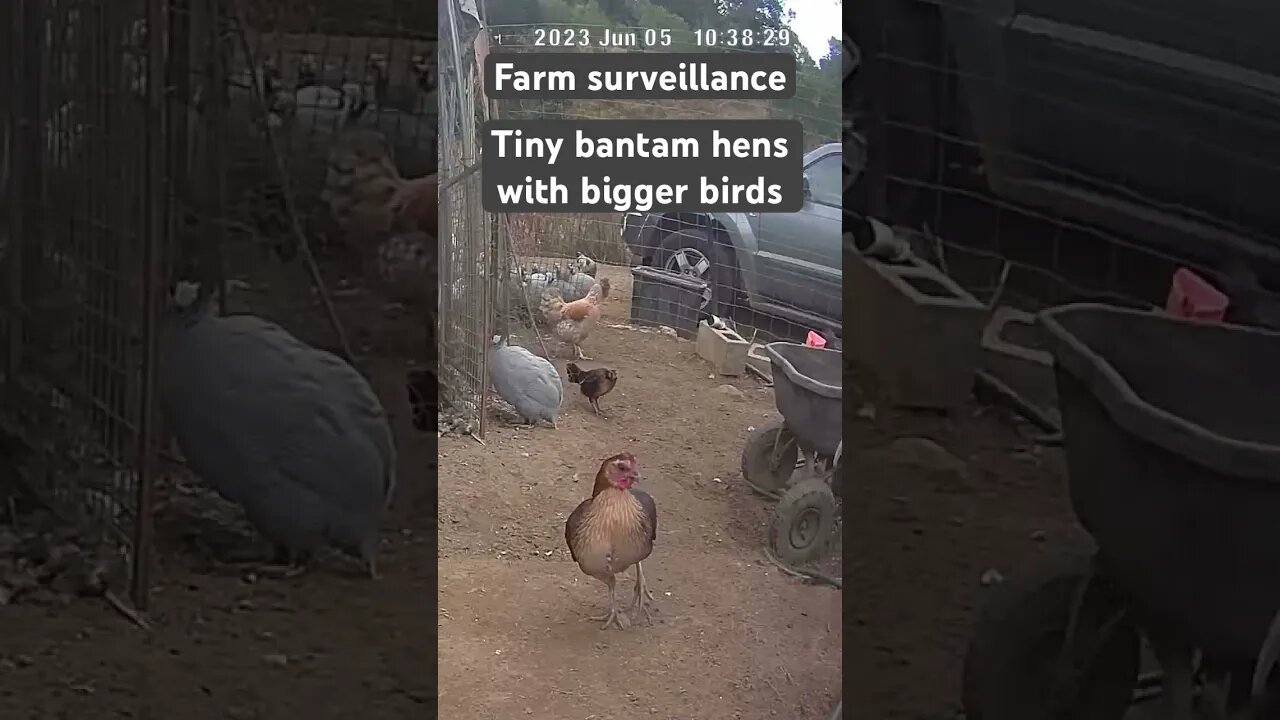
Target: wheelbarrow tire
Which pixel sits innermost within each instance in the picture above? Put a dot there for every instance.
(1010, 662)
(764, 472)
(804, 522)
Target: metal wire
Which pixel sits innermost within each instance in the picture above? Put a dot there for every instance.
(949, 136)
(143, 138)
(468, 242)
(729, 253)
(87, 214)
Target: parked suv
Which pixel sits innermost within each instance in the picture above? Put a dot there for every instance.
(781, 264)
(1154, 122)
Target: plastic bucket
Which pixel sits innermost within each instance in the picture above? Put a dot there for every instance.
(1191, 296)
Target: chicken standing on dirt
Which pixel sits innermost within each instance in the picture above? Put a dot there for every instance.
(291, 433)
(530, 383)
(573, 322)
(595, 383)
(612, 530)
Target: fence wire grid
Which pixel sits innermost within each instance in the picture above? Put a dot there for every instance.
(141, 139)
(468, 242)
(779, 273)
(1033, 160)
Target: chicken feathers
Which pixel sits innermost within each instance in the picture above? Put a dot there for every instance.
(614, 529)
(573, 322)
(595, 383)
(368, 198)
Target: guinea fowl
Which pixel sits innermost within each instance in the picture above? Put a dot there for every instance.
(531, 384)
(291, 433)
(612, 530)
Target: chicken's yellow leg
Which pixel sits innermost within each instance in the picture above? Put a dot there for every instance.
(615, 616)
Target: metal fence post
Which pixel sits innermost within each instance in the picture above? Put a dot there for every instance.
(156, 206)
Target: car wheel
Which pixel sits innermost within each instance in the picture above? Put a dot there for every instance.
(692, 253)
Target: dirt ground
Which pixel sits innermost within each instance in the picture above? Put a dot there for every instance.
(732, 637)
(936, 527)
(326, 645)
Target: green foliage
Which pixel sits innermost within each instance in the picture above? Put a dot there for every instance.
(649, 14)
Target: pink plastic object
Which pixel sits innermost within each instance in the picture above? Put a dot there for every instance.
(814, 340)
(1191, 296)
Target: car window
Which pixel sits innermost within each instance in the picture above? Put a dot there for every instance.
(826, 177)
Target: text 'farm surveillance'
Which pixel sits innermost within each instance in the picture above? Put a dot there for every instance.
(687, 77)
(618, 76)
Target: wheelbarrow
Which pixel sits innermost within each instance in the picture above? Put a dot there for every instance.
(1171, 432)
(806, 390)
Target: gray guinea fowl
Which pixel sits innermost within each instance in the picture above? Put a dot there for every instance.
(530, 383)
(291, 433)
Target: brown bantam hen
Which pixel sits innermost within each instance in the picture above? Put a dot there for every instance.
(595, 383)
(614, 530)
(572, 322)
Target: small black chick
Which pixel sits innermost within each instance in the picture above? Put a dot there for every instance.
(595, 383)
(423, 387)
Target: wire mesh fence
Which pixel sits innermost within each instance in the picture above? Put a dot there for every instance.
(326, 108)
(83, 237)
(1034, 161)
(468, 237)
(144, 139)
(771, 272)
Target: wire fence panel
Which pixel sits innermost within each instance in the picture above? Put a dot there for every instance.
(1087, 172)
(324, 107)
(468, 242)
(151, 139)
(778, 273)
(84, 225)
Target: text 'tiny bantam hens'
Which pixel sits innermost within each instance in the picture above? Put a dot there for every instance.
(614, 530)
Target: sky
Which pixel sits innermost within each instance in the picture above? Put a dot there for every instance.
(816, 21)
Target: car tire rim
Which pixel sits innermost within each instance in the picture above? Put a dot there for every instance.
(690, 262)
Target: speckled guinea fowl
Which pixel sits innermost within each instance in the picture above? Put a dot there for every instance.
(530, 383)
(293, 434)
